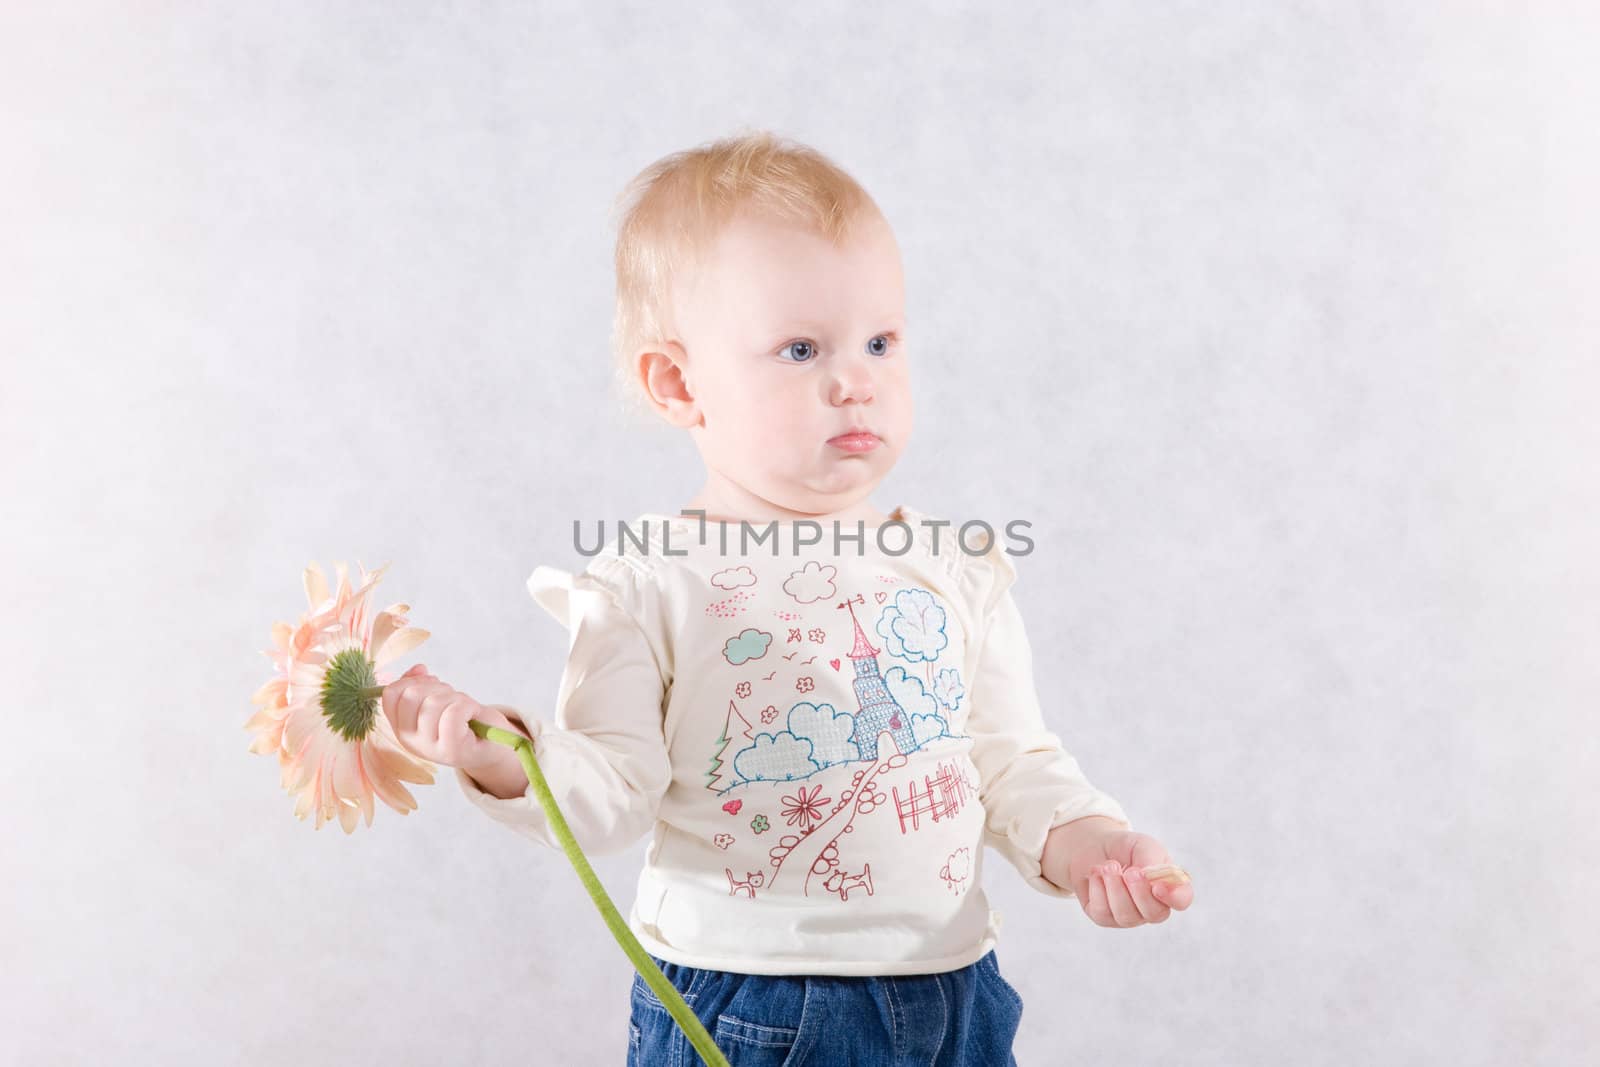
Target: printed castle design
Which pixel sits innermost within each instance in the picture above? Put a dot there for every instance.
(877, 708)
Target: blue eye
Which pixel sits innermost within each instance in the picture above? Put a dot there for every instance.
(807, 351)
(811, 349)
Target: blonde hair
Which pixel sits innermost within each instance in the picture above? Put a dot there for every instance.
(673, 211)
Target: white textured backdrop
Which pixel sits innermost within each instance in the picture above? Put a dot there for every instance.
(1276, 319)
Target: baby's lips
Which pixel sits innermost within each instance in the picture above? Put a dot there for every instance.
(1170, 873)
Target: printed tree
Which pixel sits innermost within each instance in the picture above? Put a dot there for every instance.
(714, 775)
(913, 628)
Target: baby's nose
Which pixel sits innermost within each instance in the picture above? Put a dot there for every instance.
(852, 384)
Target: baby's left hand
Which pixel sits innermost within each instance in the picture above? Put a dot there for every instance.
(1107, 875)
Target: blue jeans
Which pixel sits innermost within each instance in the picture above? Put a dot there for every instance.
(961, 1018)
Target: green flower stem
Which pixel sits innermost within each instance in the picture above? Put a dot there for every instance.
(646, 967)
(664, 990)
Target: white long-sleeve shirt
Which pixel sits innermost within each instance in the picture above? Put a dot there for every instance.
(821, 742)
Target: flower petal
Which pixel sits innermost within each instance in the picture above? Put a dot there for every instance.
(306, 797)
(347, 780)
(387, 767)
(303, 722)
(359, 752)
(305, 678)
(316, 586)
(269, 737)
(398, 644)
(383, 626)
(281, 634)
(271, 693)
(325, 801)
(349, 815)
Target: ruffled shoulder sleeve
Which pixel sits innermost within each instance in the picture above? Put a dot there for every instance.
(984, 578)
(610, 586)
(563, 593)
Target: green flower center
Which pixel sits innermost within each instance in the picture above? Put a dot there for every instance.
(349, 713)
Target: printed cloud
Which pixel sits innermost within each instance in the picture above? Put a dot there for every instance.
(908, 692)
(827, 730)
(750, 644)
(812, 582)
(734, 578)
(775, 757)
(925, 728)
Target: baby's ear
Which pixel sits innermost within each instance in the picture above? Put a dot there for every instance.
(663, 377)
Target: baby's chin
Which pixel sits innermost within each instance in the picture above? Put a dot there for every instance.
(826, 487)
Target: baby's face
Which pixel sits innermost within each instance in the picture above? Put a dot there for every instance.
(791, 343)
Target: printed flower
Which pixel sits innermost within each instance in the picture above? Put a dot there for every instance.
(760, 825)
(818, 635)
(321, 715)
(743, 689)
(805, 685)
(805, 808)
(768, 713)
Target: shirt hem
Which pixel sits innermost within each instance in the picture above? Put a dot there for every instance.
(802, 966)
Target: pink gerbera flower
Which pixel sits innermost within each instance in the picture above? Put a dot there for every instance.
(322, 714)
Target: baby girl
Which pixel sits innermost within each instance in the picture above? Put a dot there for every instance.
(820, 713)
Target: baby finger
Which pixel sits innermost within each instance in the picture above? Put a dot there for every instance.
(1117, 897)
(1144, 898)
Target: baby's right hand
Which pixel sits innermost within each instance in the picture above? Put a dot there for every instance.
(430, 720)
